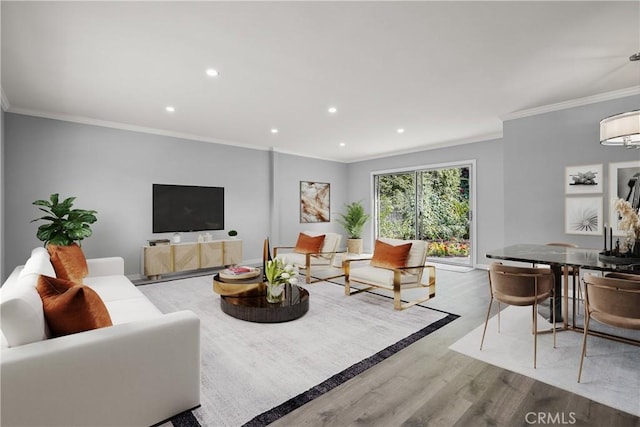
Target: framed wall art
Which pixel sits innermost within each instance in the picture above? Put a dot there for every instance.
(583, 179)
(624, 183)
(314, 201)
(583, 215)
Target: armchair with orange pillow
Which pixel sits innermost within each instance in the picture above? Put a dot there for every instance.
(311, 250)
(396, 265)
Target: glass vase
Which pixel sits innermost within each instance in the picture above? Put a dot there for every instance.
(275, 292)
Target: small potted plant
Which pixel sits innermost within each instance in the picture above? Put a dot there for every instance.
(64, 225)
(353, 222)
(233, 234)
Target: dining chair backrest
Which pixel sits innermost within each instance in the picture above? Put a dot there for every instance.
(519, 285)
(627, 276)
(613, 301)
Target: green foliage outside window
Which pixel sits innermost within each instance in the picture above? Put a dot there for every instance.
(396, 208)
(443, 215)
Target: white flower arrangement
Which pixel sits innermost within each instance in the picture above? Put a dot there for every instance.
(630, 221)
(279, 273)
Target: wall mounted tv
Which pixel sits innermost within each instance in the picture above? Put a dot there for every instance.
(178, 208)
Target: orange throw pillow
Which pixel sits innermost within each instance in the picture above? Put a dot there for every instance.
(68, 262)
(309, 245)
(390, 256)
(71, 307)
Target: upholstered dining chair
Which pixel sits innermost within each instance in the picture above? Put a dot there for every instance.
(613, 300)
(396, 265)
(311, 250)
(521, 286)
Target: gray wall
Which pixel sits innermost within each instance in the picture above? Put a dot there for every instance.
(536, 151)
(112, 170)
(519, 181)
(489, 185)
(288, 172)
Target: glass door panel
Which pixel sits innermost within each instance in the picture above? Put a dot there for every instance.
(396, 205)
(428, 204)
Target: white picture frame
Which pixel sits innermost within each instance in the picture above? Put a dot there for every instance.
(620, 177)
(584, 215)
(583, 179)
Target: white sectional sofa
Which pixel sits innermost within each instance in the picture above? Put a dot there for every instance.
(139, 372)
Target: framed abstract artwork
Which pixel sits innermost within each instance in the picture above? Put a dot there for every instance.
(583, 215)
(583, 179)
(624, 183)
(314, 201)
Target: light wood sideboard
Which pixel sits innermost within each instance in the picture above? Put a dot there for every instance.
(164, 259)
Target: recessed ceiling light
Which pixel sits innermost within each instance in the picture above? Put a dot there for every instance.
(342, 144)
(274, 130)
(170, 109)
(400, 130)
(212, 72)
(332, 110)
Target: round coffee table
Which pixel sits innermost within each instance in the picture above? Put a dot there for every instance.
(255, 308)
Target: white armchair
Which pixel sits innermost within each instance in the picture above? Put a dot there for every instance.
(411, 275)
(305, 261)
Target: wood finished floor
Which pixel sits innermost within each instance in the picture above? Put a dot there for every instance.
(427, 384)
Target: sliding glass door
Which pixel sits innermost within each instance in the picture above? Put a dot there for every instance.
(430, 203)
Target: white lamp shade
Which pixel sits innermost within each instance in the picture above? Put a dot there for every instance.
(621, 129)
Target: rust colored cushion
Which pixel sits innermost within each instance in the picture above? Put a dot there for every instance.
(390, 256)
(71, 307)
(68, 262)
(308, 245)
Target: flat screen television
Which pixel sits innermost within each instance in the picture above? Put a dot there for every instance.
(181, 208)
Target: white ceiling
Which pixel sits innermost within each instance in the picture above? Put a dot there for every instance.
(446, 72)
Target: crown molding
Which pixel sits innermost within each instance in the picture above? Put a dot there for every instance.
(153, 131)
(635, 90)
(607, 96)
(297, 154)
(133, 128)
(435, 146)
(5, 100)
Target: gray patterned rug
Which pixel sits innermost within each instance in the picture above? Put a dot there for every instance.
(253, 374)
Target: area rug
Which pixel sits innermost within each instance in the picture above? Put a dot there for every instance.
(253, 374)
(611, 373)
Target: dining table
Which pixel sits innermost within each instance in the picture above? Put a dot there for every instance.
(557, 258)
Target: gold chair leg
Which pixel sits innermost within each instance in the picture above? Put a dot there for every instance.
(486, 322)
(584, 346)
(397, 300)
(307, 269)
(553, 316)
(535, 333)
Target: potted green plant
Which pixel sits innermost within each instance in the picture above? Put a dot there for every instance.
(233, 234)
(64, 225)
(353, 222)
